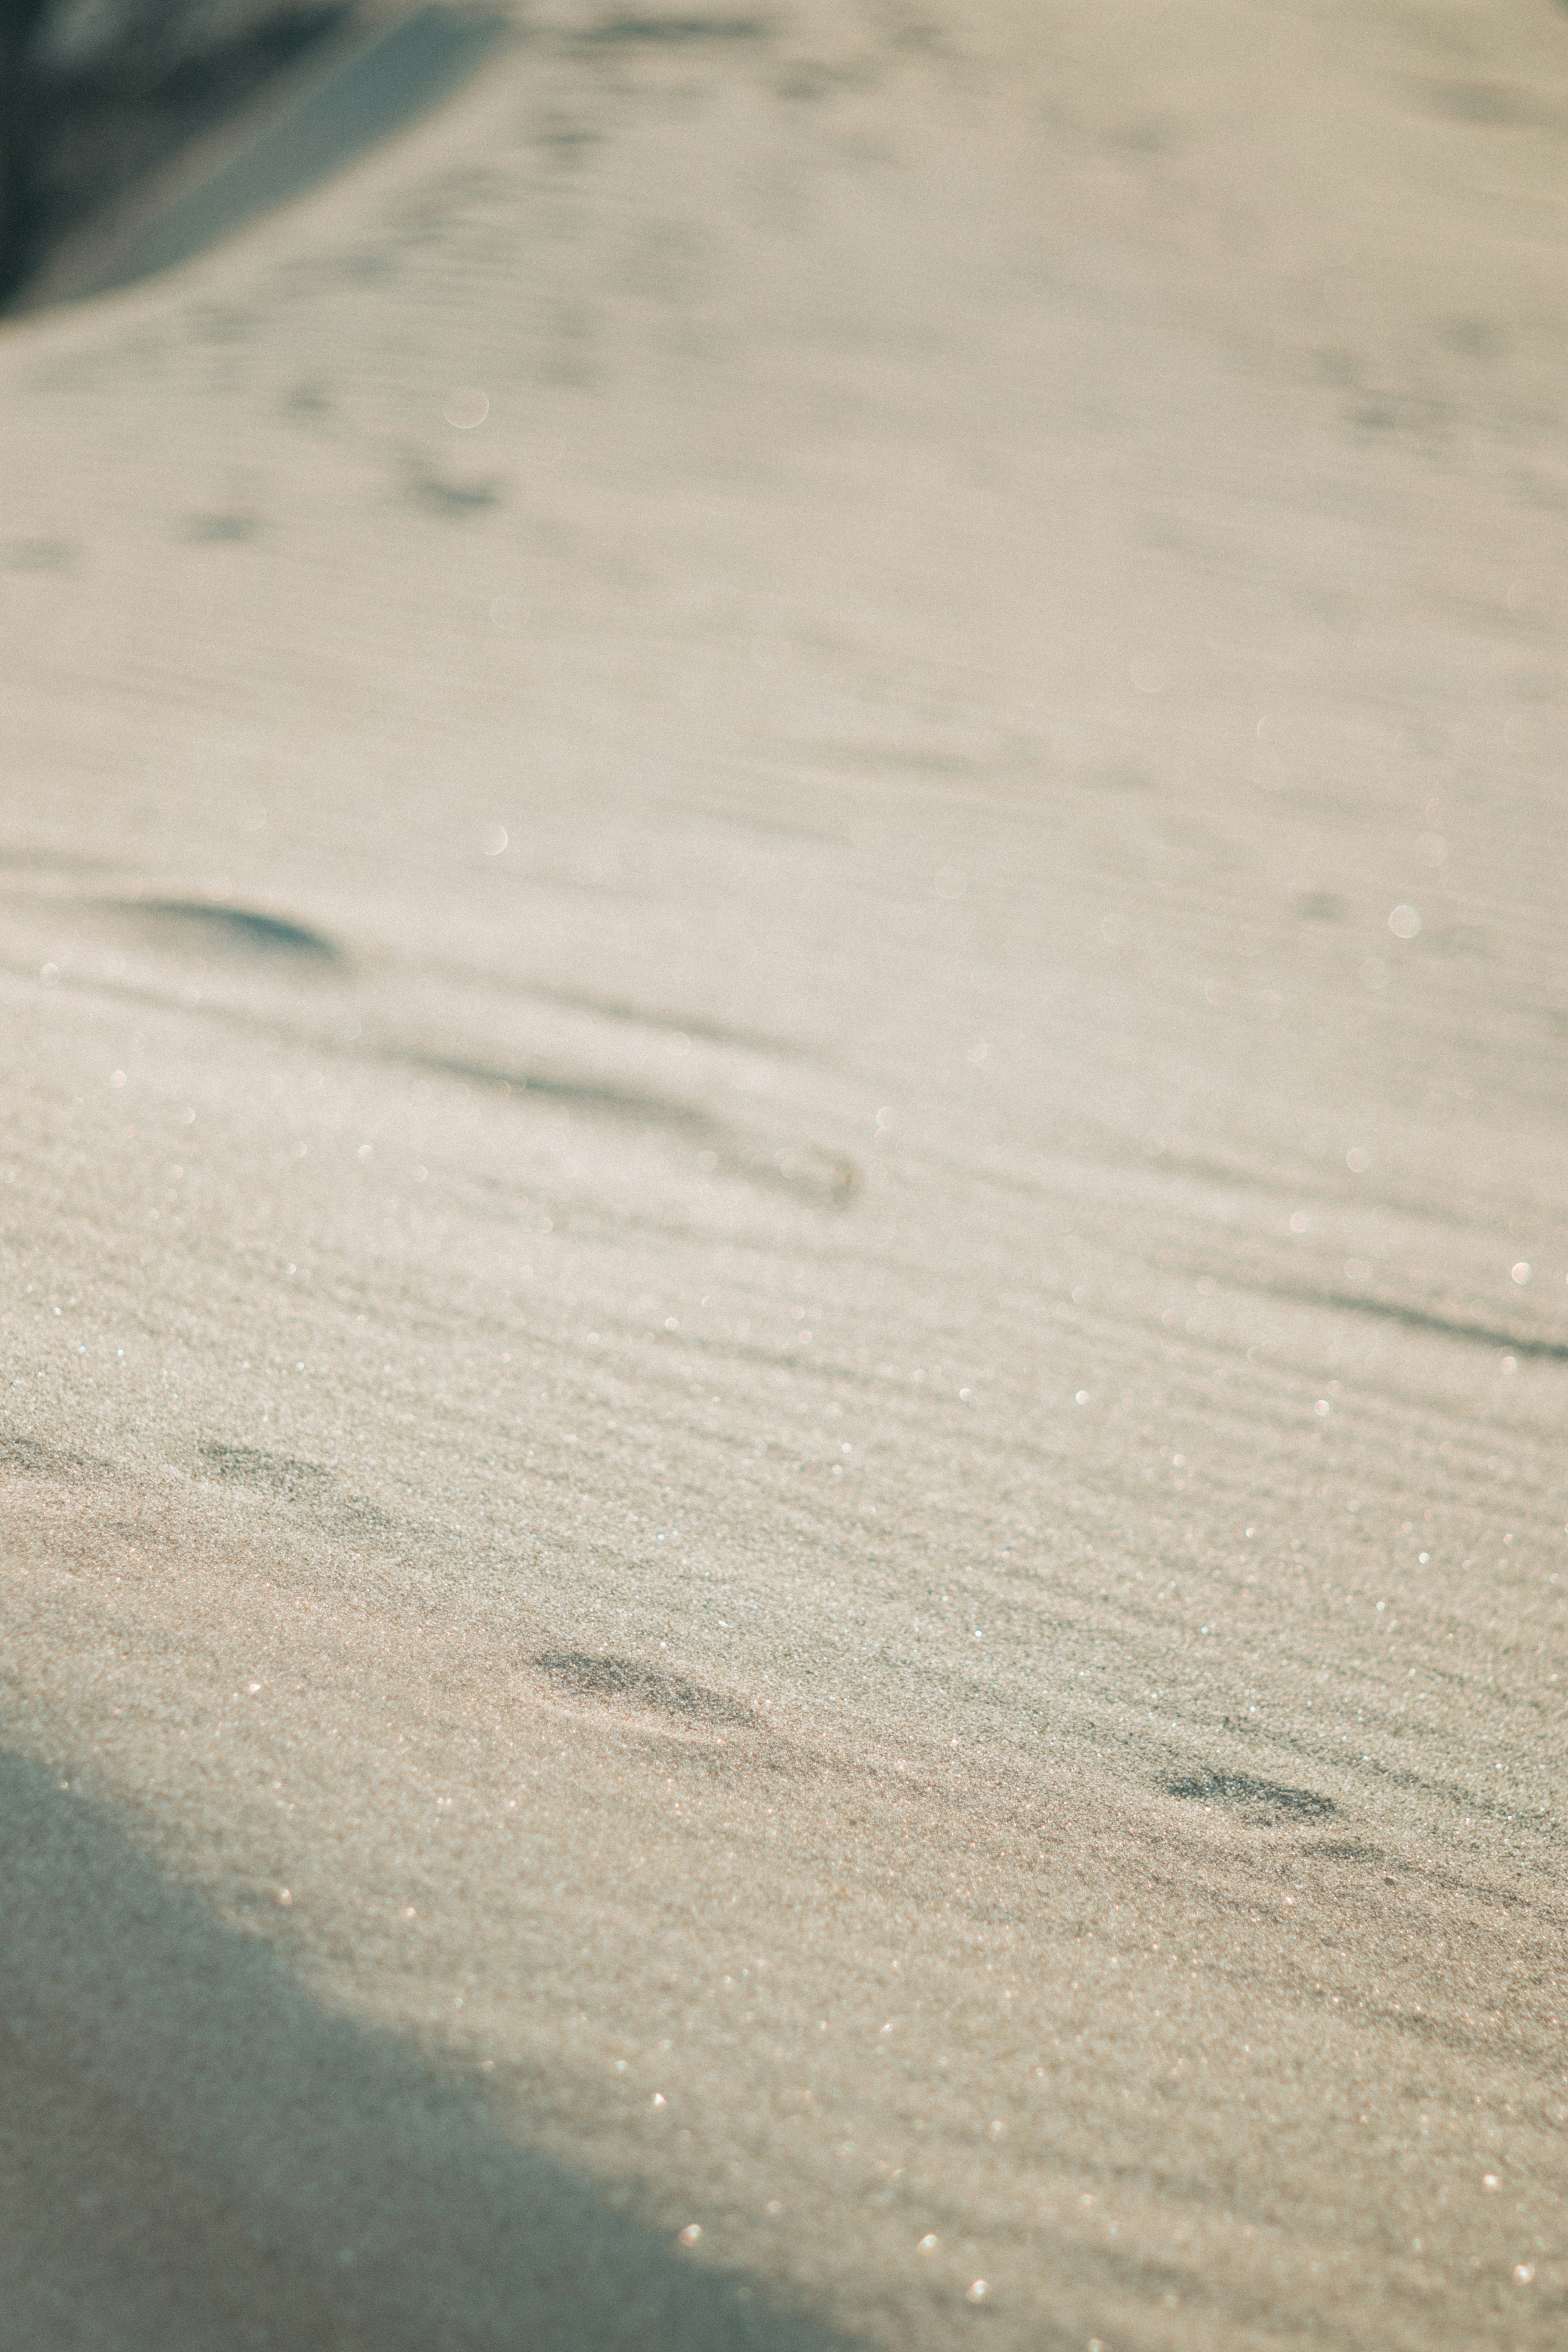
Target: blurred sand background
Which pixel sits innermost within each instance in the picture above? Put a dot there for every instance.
(785, 1250)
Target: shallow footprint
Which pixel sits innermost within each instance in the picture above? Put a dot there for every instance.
(628, 1681)
(216, 929)
(31, 1457)
(1262, 1802)
(273, 1474)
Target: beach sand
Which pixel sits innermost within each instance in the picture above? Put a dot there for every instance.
(783, 1206)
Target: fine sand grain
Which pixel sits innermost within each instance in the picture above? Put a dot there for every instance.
(782, 1187)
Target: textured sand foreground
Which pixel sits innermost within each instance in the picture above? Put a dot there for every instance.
(784, 1208)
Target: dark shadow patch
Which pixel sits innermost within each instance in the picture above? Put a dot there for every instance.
(1155, 134)
(220, 530)
(1453, 1793)
(272, 1474)
(1340, 367)
(615, 1102)
(1473, 339)
(1420, 1318)
(454, 498)
(828, 1178)
(1319, 906)
(220, 929)
(674, 30)
(628, 1681)
(1487, 102)
(1264, 1802)
(373, 89)
(108, 94)
(1457, 940)
(30, 1457)
(685, 1024)
(39, 555)
(309, 401)
(196, 2151)
(1342, 1850)
(345, 1516)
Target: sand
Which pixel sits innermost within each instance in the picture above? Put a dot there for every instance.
(782, 1192)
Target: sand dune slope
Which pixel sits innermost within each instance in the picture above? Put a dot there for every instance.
(782, 1204)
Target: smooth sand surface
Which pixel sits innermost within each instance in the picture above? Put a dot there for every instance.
(784, 1207)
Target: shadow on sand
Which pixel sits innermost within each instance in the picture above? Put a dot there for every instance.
(345, 102)
(194, 2153)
